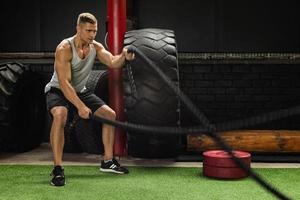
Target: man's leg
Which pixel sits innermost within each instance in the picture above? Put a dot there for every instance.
(57, 141)
(57, 138)
(108, 132)
(109, 164)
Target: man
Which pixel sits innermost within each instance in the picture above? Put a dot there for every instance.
(74, 59)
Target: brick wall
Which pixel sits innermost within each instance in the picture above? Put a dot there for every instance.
(234, 91)
(225, 92)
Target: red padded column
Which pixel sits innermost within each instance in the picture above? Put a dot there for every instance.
(116, 17)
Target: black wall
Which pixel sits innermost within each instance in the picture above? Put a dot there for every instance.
(225, 92)
(36, 25)
(200, 26)
(226, 25)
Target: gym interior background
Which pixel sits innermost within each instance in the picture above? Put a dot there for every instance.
(223, 90)
(200, 26)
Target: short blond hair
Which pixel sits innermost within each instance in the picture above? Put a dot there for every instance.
(86, 18)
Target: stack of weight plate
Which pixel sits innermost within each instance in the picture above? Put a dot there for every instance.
(218, 164)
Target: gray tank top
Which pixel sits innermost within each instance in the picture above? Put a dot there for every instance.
(80, 69)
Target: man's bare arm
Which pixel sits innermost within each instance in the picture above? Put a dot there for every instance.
(108, 59)
(63, 56)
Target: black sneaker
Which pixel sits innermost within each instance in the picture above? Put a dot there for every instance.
(58, 176)
(113, 166)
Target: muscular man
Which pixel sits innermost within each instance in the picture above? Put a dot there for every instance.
(74, 59)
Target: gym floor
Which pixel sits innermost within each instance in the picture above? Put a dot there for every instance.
(43, 156)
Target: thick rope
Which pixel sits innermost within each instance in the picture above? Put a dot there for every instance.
(202, 118)
(197, 130)
(207, 128)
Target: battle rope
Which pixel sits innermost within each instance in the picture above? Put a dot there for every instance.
(211, 128)
(208, 128)
(196, 130)
(200, 116)
(263, 118)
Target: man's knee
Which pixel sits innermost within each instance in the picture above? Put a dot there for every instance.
(106, 112)
(111, 114)
(60, 115)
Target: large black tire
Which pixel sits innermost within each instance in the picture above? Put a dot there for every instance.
(22, 108)
(148, 100)
(89, 133)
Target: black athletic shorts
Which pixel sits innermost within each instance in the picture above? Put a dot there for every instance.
(55, 97)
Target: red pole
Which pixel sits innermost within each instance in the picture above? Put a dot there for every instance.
(116, 17)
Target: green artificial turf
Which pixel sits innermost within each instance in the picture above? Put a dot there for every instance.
(86, 182)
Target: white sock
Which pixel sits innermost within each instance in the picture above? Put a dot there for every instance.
(106, 161)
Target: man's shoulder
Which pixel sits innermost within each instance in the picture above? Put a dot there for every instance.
(64, 45)
(64, 49)
(97, 45)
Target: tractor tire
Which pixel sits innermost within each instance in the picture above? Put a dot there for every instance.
(22, 108)
(88, 132)
(148, 100)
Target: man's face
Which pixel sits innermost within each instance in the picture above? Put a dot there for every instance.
(87, 32)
